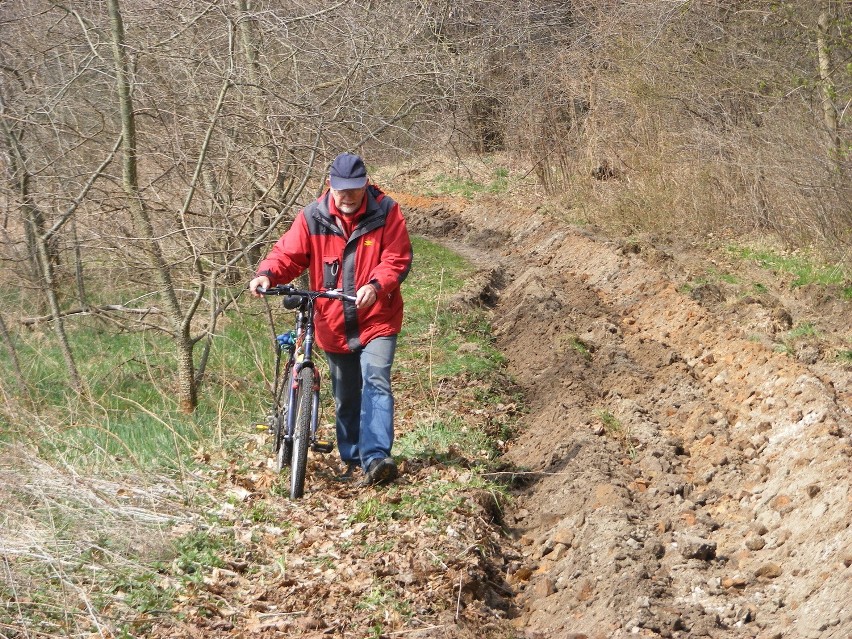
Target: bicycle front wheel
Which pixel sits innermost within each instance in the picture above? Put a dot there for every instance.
(301, 432)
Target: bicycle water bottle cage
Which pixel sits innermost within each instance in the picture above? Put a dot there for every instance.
(292, 302)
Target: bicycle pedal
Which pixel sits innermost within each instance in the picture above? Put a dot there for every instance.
(322, 446)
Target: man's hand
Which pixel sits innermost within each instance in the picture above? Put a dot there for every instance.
(366, 296)
(260, 281)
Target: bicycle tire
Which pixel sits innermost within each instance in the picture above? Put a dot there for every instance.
(301, 432)
(281, 448)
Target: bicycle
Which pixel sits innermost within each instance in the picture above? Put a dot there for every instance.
(294, 431)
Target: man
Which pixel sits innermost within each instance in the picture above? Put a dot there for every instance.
(352, 237)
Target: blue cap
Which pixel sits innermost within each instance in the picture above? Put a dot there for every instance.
(347, 172)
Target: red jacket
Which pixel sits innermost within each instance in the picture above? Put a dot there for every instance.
(378, 251)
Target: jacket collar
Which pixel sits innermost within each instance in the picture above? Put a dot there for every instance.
(324, 209)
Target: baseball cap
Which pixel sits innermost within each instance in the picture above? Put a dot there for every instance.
(347, 172)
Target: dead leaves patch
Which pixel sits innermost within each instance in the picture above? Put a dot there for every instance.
(346, 561)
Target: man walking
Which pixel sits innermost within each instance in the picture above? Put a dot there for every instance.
(352, 237)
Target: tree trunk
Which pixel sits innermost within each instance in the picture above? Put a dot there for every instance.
(31, 216)
(41, 254)
(826, 84)
(56, 312)
(13, 355)
(78, 268)
(188, 396)
(275, 194)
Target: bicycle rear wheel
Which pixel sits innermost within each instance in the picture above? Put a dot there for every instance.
(301, 432)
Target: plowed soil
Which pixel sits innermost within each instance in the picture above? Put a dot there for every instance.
(686, 455)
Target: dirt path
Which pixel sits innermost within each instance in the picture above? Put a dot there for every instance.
(686, 479)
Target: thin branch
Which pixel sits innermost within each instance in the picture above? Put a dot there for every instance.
(316, 14)
(85, 25)
(188, 25)
(13, 355)
(260, 238)
(79, 199)
(30, 321)
(202, 155)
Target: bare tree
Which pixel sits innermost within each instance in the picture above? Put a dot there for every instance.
(225, 114)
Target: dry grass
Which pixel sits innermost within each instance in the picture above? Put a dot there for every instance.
(66, 539)
(699, 126)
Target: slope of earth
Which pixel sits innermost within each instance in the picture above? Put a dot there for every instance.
(682, 476)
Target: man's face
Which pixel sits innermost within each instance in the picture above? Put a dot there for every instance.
(348, 201)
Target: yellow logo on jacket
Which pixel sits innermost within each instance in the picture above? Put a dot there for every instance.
(368, 242)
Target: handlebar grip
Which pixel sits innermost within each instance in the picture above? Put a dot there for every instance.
(279, 289)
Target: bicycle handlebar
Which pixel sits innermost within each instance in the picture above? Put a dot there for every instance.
(290, 290)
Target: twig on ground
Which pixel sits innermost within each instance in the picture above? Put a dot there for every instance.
(458, 601)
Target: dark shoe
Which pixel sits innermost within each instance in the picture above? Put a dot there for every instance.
(349, 473)
(381, 471)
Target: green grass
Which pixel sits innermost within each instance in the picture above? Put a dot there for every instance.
(805, 329)
(609, 421)
(435, 340)
(787, 348)
(799, 332)
(723, 276)
(443, 440)
(615, 429)
(129, 415)
(713, 276)
(382, 597)
(381, 600)
(77, 548)
(687, 287)
(803, 270)
(142, 593)
(467, 187)
(436, 271)
(441, 348)
(578, 345)
(155, 590)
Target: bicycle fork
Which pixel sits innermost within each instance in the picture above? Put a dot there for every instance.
(317, 445)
